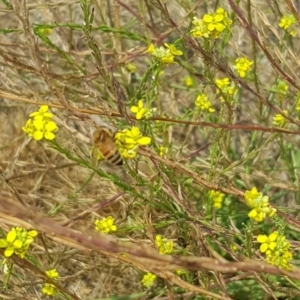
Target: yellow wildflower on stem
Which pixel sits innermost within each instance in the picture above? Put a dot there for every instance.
(141, 111)
(282, 87)
(267, 242)
(48, 288)
(105, 225)
(211, 24)
(148, 279)
(259, 204)
(287, 23)
(188, 81)
(53, 274)
(165, 55)
(202, 103)
(225, 87)
(164, 246)
(42, 113)
(40, 125)
(276, 248)
(279, 120)
(44, 129)
(162, 150)
(242, 65)
(128, 141)
(217, 198)
(17, 241)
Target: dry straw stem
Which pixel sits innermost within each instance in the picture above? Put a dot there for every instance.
(81, 112)
(140, 255)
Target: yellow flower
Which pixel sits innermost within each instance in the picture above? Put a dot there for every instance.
(164, 245)
(128, 141)
(29, 128)
(188, 81)
(287, 22)
(17, 241)
(281, 87)
(281, 260)
(276, 248)
(42, 113)
(173, 49)
(224, 85)
(259, 204)
(217, 198)
(148, 280)
(203, 103)
(180, 272)
(131, 67)
(43, 129)
(267, 242)
(40, 125)
(162, 150)
(200, 29)
(165, 55)
(279, 120)
(243, 65)
(106, 225)
(151, 49)
(214, 22)
(53, 274)
(49, 289)
(139, 110)
(211, 24)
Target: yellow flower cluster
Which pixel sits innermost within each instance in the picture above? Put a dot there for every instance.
(40, 125)
(281, 87)
(48, 288)
(276, 248)
(17, 241)
(164, 246)
(105, 225)
(242, 65)
(148, 280)
(164, 55)
(287, 23)
(140, 111)
(188, 81)
(259, 204)
(279, 120)
(211, 24)
(224, 85)
(202, 103)
(128, 141)
(162, 150)
(217, 198)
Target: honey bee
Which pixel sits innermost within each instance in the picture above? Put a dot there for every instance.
(104, 144)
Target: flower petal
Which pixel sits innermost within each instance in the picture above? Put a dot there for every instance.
(49, 136)
(9, 251)
(51, 126)
(38, 135)
(145, 140)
